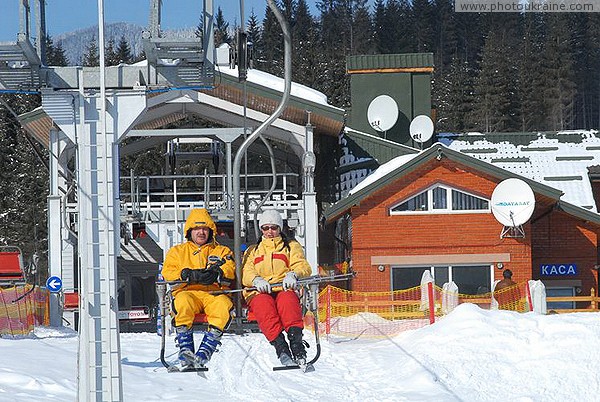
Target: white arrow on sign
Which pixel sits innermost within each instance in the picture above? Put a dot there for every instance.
(54, 283)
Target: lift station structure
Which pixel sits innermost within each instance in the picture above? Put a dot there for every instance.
(92, 116)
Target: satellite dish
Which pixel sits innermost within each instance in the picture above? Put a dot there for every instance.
(382, 113)
(513, 202)
(421, 128)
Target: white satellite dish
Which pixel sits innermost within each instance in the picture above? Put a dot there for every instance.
(513, 203)
(421, 128)
(382, 113)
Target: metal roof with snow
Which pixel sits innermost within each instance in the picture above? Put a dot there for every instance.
(405, 164)
(560, 159)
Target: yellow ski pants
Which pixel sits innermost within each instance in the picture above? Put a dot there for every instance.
(188, 303)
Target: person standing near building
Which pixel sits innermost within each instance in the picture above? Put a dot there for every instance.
(277, 259)
(507, 298)
(206, 266)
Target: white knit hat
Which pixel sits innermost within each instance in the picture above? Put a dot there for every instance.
(271, 217)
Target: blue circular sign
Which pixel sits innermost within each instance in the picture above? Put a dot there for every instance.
(54, 284)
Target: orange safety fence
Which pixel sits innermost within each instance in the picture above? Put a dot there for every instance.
(515, 298)
(19, 316)
(381, 314)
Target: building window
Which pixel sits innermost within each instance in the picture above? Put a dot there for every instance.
(560, 292)
(470, 279)
(436, 200)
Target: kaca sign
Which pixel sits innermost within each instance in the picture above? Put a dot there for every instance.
(558, 269)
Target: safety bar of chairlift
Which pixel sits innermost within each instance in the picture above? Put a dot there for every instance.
(309, 280)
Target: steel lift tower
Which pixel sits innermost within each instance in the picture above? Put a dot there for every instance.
(86, 114)
(92, 109)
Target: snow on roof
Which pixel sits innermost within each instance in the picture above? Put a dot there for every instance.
(559, 160)
(382, 171)
(264, 79)
(276, 83)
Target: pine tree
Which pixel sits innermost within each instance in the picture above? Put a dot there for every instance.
(123, 51)
(470, 30)
(335, 24)
(593, 82)
(199, 31)
(221, 29)
(559, 85)
(91, 58)
(362, 30)
(445, 38)
(254, 32)
(423, 23)
(270, 56)
(496, 106)
(453, 92)
(110, 53)
(397, 32)
(55, 54)
(288, 10)
(585, 50)
(305, 57)
(379, 39)
(531, 73)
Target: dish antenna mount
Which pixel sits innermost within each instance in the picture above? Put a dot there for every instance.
(513, 203)
(382, 113)
(421, 129)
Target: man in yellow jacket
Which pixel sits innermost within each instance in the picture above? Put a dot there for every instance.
(276, 259)
(206, 266)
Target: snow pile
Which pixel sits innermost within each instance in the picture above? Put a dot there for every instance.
(469, 355)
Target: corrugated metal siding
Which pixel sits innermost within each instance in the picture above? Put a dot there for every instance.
(326, 119)
(378, 61)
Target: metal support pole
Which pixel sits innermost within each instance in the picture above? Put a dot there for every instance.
(237, 218)
(229, 174)
(54, 226)
(311, 227)
(40, 17)
(208, 39)
(99, 375)
(24, 13)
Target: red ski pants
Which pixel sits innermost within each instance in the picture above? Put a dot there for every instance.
(276, 312)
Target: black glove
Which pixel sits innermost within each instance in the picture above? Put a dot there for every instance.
(195, 276)
(216, 267)
(186, 274)
(206, 276)
(209, 275)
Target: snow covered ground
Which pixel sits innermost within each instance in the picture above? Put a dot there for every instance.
(470, 355)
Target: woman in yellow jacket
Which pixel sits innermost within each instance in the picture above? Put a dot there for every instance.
(275, 259)
(206, 266)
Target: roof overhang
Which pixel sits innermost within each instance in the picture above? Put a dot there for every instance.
(439, 151)
(230, 104)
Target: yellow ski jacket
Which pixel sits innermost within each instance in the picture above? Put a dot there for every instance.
(189, 255)
(271, 259)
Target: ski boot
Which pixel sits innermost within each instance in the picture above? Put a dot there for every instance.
(297, 344)
(209, 345)
(283, 350)
(184, 339)
(298, 347)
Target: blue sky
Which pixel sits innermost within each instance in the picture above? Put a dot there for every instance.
(84, 13)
